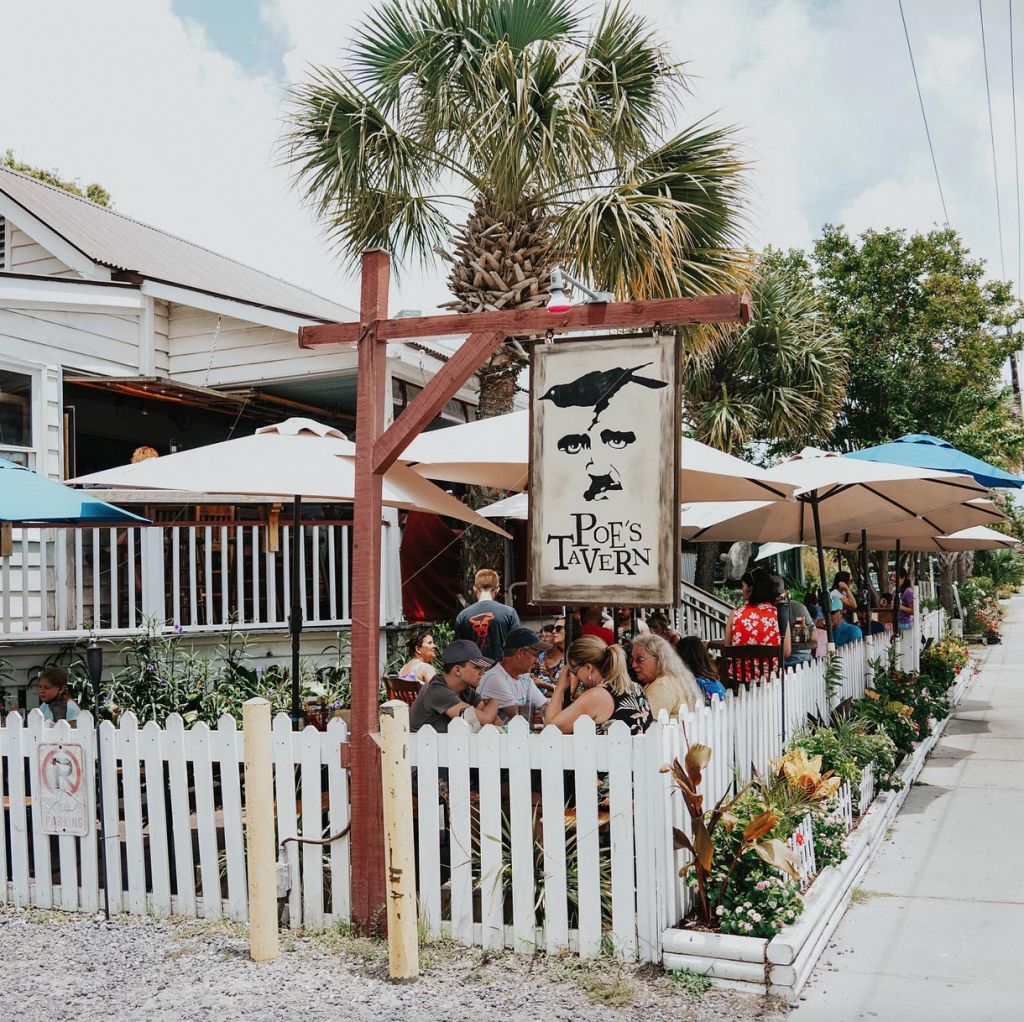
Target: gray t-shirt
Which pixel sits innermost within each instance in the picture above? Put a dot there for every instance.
(486, 623)
(519, 691)
(430, 707)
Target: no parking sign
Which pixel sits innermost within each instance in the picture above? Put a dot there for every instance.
(63, 788)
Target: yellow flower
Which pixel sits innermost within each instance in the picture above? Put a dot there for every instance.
(871, 695)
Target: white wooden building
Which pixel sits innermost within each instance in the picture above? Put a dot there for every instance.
(114, 335)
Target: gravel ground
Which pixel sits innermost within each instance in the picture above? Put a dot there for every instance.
(69, 967)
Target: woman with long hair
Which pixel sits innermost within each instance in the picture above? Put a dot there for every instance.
(695, 656)
(608, 693)
(422, 650)
(667, 683)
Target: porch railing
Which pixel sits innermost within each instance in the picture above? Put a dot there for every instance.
(194, 576)
(701, 613)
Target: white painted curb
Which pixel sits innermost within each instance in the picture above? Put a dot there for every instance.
(784, 964)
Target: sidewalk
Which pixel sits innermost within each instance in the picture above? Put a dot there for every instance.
(936, 930)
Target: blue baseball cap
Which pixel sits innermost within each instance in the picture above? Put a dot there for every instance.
(837, 604)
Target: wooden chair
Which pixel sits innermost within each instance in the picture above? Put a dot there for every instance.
(748, 664)
(399, 688)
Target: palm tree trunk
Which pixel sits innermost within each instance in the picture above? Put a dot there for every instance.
(707, 566)
(947, 574)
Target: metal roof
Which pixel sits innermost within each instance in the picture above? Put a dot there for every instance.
(130, 247)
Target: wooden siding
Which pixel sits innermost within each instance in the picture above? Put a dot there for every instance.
(161, 327)
(97, 342)
(244, 352)
(27, 256)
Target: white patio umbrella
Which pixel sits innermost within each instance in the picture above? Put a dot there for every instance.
(978, 538)
(832, 499)
(496, 452)
(299, 459)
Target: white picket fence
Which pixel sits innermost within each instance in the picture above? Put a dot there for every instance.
(528, 841)
(174, 820)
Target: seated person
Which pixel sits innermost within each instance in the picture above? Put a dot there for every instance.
(590, 624)
(867, 624)
(546, 633)
(659, 625)
(668, 683)
(608, 693)
(422, 650)
(693, 652)
(842, 631)
(453, 692)
(756, 622)
(509, 683)
(791, 613)
(54, 701)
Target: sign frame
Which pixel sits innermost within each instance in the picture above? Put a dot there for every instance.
(54, 806)
(664, 591)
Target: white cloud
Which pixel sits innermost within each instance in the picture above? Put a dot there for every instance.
(185, 138)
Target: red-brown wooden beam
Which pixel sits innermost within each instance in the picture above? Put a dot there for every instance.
(730, 308)
(367, 833)
(427, 404)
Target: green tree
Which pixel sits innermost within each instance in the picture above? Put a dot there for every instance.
(927, 340)
(531, 139)
(94, 192)
(778, 381)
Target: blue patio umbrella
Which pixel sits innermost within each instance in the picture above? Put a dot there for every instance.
(27, 498)
(922, 450)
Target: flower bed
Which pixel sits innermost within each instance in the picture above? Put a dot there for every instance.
(769, 935)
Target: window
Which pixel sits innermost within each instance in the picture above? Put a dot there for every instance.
(15, 413)
(3, 243)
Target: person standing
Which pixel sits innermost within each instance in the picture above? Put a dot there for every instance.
(486, 622)
(509, 682)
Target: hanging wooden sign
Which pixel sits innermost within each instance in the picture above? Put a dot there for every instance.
(604, 455)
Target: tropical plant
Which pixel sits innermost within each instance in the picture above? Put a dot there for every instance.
(1004, 567)
(846, 746)
(532, 138)
(707, 873)
(779, 379)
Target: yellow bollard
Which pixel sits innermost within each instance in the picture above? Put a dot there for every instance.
(259, 830)
(403, 946)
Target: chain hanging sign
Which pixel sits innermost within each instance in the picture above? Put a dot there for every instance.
(63, 789)
(604, 455)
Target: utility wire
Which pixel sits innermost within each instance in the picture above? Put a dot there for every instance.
(992, 137)
(1016, 158)
(924, 117)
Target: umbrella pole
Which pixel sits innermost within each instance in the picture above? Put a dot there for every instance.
(826, 602)
(896, 597)
(295, 617)
(865, 570)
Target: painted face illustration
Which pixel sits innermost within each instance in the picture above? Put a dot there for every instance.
(594, 425)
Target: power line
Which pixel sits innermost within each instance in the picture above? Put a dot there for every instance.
(992, 137)
(920, 99)
(1016, 159)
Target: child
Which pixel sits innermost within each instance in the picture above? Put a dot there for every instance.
(694, 655)
(54, 701)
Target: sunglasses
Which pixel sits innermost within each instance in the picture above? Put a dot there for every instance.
(558, 628)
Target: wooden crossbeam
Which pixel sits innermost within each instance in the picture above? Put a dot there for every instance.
(670, 312)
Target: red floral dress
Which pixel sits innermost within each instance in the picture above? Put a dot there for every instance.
(755, 626)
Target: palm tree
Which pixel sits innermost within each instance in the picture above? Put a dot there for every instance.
(778, 381)
(507, 137)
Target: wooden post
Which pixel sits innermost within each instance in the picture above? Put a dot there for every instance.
(259, 830)
(368, 893)
(403, 946)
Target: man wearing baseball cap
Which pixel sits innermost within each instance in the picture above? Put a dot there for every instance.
(508, 682)
(453, 692)
(842, 631)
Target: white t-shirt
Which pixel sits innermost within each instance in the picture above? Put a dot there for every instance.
(498, 684)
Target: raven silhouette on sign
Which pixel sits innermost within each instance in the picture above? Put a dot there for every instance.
(595, 390)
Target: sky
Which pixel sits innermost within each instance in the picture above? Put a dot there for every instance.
(176, 107)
